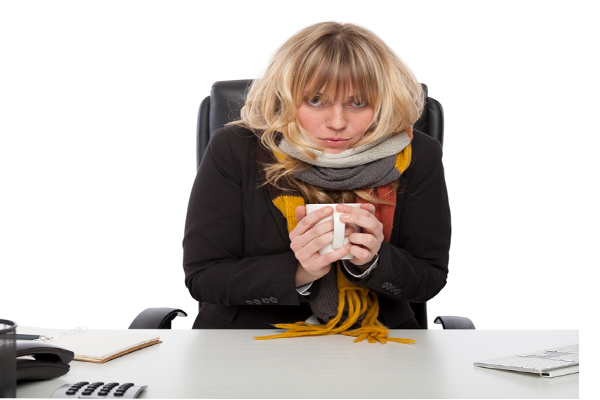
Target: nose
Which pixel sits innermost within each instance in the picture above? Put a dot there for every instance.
(336, 119)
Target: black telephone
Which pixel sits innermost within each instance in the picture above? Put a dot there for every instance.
(39, 361)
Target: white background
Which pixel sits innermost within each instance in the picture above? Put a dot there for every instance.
(98, 104)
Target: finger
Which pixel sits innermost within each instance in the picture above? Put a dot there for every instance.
(369, 207)
(368, 222)
(321, 235)
(366, 241)
(300, 213)
(308, 220)
(336, 255)
(311, 250)
(361, 255)
(353, 215)
(316, 262)
(312, 240)
(363, 239)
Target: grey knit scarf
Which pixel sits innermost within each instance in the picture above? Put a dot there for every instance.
(367, 166)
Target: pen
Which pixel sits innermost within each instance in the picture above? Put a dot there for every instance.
(20, 336)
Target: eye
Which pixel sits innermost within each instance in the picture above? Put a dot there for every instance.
(314, 101)
(357, 103)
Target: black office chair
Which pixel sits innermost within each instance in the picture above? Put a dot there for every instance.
(223, 106)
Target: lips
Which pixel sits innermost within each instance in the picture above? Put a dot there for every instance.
(334, 142)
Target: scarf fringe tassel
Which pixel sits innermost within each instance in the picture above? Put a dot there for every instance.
(359, 301)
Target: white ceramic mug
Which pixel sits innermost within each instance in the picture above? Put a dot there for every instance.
(339, 227)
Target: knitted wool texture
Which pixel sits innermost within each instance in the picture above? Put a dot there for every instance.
(354, 301)
(373, 174)
(381, 148)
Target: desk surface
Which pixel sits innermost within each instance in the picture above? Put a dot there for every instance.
(231, 364)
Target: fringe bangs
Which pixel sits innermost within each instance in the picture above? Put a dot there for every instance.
(336, 68)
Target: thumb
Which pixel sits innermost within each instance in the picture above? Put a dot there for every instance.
(300, 213)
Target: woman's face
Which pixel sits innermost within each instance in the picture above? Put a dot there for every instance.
(334, 125)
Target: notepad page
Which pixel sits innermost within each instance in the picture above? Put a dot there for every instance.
(94, 344)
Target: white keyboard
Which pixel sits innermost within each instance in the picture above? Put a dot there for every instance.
(548, 363)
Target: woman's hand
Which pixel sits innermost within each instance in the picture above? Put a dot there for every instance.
(366, 244)
(308, 238)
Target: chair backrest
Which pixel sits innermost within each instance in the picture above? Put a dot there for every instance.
(227, 98)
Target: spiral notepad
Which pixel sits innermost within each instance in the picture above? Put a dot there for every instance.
(93, 345)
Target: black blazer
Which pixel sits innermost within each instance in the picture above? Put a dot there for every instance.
(238, 263)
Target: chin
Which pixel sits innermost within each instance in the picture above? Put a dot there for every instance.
(334, 151)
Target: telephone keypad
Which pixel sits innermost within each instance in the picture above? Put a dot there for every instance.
(98, 390)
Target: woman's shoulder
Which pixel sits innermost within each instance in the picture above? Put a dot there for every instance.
(235, 135)
(232, 150)
(423, 142)
(424, 147)
(426, 153)
(233, 142)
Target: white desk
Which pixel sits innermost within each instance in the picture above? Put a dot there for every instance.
(231, 364)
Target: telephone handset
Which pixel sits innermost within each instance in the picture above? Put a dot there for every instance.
(39, 361)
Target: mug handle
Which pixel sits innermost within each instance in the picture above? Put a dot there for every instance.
(339, 229)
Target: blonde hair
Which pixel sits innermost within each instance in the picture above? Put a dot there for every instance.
(329, 58)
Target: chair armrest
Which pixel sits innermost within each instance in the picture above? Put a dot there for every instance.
(452, 322)
(156, 318)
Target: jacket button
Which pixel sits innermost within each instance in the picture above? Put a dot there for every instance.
(273, 299)
(265, 300)
(249, 302)
(392, 287)
(257, 302)
(397, 291)
(385, 285)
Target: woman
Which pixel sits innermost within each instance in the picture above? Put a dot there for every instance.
(329, 122)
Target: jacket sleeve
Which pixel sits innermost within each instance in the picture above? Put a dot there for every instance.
(413, 266)
(234, 251)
